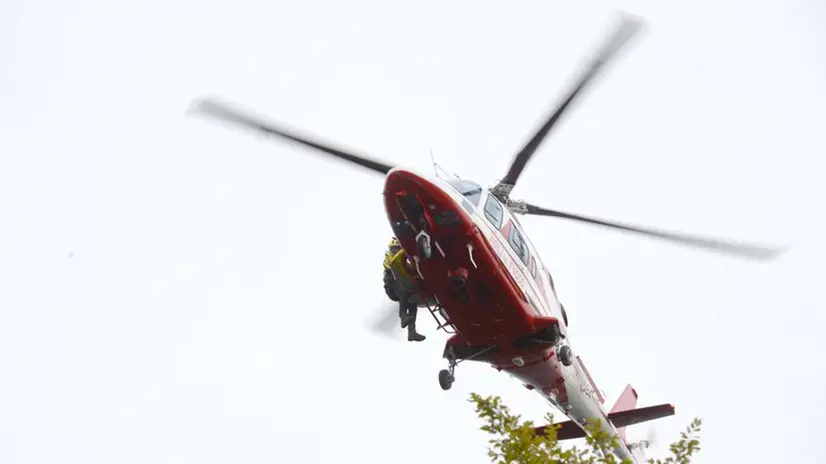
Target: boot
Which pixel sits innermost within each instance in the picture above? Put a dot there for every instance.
(412, 335)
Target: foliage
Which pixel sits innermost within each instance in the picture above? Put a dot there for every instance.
(514, 440)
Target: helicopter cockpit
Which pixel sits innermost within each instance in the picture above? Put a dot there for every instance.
(469, 189)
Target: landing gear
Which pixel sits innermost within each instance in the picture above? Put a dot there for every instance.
(424, 247)
(446, 378)
(565, 355)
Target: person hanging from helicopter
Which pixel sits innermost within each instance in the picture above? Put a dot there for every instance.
(401, 286)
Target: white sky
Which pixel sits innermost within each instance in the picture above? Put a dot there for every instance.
(215, 307)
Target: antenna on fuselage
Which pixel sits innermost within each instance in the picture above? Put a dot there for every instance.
(437, 167)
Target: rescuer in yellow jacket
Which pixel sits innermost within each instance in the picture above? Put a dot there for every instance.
(401, 284)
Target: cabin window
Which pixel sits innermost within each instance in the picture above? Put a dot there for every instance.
(469, 189)
(518, 244)
(533, 268)
(493, 211)
(551, 281)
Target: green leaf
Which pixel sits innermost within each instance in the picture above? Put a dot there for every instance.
(513, 441)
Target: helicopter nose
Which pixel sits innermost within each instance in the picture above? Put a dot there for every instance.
(415, 199)
(405, 183)
(401, 181)
(403, 177)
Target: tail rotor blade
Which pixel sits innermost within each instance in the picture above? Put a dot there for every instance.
(652, 436)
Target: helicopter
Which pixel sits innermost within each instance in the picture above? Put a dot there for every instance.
(482, 278)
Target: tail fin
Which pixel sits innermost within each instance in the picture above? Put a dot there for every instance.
(626, 402)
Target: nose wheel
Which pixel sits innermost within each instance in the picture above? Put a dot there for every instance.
(446, 379)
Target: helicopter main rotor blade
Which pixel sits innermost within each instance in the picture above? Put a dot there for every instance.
(627, 28)
(743, 250)
(224, 112)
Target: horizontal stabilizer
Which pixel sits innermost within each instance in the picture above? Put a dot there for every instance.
(569, 429)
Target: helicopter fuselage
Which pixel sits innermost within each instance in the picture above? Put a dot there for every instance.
(492, 288)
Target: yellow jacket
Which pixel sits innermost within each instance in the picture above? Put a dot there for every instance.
(395, 260)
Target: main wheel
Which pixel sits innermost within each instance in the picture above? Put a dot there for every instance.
(423, 246)
(566, 356)
(445, 379)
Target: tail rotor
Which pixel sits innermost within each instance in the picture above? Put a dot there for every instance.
(650, 441)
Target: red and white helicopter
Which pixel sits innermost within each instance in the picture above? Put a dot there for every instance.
(490, 288)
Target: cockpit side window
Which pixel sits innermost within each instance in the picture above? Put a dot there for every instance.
(469, 189)
(518, 244)
(494, 212)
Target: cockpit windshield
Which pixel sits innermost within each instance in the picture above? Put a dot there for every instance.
(469, 189)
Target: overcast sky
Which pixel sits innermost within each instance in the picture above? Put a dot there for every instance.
(175, 291)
